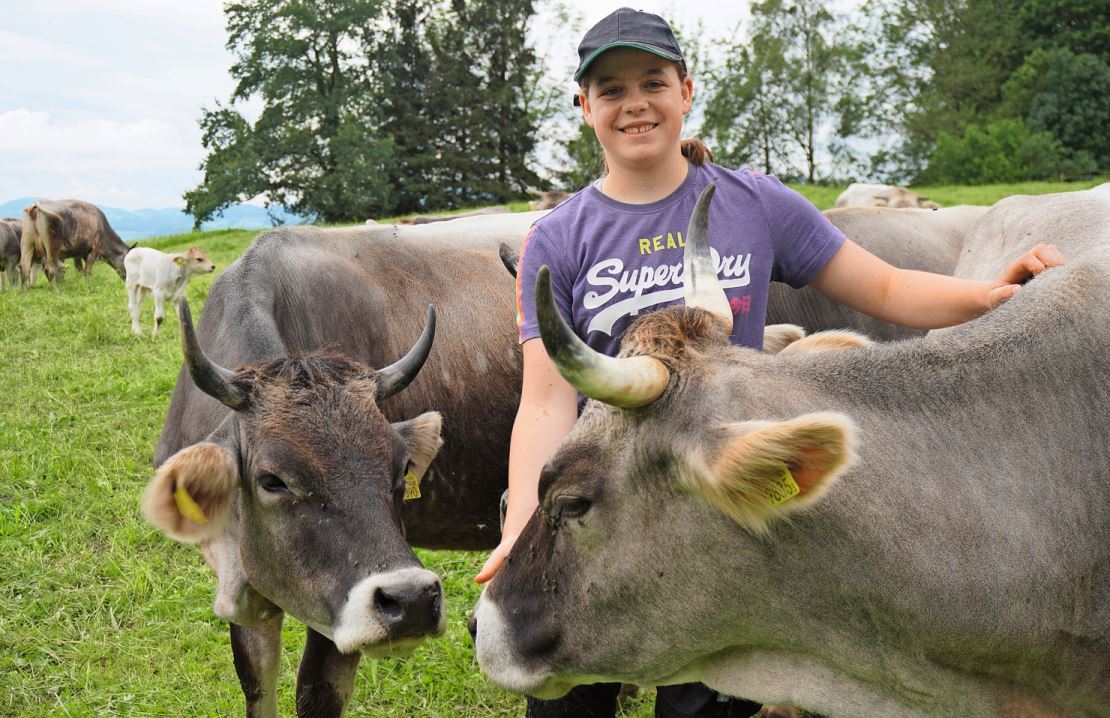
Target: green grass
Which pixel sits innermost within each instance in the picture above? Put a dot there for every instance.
(100, 615)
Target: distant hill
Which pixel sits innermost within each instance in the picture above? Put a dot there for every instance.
(143, 223)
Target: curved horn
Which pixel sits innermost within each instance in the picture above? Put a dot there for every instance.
(398, 375)
(699, 273)
(627, 382)
(211, 378)
(509, 258)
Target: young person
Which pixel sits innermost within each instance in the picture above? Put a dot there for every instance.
(613, 248)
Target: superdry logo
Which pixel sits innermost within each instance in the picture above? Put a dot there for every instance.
(613, 282)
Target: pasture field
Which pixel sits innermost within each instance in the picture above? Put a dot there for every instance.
(100, 615)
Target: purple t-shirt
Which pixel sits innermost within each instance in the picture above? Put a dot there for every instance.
(610, 261)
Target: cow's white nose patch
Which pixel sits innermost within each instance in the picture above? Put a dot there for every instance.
(496, 656)
(360, 626)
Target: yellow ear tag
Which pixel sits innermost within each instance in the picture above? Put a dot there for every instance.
(412, 486)
(188, 508)
(784, 488)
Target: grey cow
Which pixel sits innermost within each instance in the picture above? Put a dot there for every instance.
(913, 529)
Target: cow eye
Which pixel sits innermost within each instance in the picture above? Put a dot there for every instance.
(571, 507)
(272, 484)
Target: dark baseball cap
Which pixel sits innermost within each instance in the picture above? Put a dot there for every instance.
(627, 28)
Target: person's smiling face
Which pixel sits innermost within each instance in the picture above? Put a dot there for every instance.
(635, 102)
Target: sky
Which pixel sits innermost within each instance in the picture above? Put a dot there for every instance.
(99, 99)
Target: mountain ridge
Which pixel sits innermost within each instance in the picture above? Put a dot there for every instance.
(145, 223)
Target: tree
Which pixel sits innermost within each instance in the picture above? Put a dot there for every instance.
(743, 121)
(313, 148)
(1081, 26)
(586, 160)
(372, 107)
(774, 91)
(1067, 95)
(1003, 151)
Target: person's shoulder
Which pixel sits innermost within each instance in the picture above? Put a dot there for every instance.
(568, 214)
(745, 176)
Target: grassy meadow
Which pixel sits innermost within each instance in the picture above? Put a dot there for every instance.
(100, 615)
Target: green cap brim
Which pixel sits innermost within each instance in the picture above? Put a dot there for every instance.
(639, 46)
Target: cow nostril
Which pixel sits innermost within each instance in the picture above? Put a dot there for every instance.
(389, 607)
(472, 626)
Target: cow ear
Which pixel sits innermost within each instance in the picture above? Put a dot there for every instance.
(764, 470)
(828, 341)
(423, 436)
(189, 497)
(777, 337)
(179, 259)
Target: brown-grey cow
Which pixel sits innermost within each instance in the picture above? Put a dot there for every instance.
(60, 229)
(915, 528)
(357, 293)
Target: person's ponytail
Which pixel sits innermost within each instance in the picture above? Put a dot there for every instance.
(695, 150)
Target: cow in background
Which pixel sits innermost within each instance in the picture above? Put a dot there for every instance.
(431, 218)
(862, 194)
(915, 528)
(10, 229)
(162, 275)
(60, 229)
(548, 200)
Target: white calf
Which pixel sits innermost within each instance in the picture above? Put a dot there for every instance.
(163, 275)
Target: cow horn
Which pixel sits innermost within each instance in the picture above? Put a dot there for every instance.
(211, 378)
(627, 382)
(398, 375)
(702, 288)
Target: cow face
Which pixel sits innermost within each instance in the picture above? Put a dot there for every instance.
(306, 479)
(598, 583)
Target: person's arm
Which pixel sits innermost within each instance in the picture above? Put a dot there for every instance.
(548, 410)
(922, 300)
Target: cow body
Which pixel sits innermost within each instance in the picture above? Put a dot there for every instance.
(161, 275)
(10, 229)
(358, 293)
(1076, 222)
(863, 194)
(925, 240)
(941, 550)
(60, 229)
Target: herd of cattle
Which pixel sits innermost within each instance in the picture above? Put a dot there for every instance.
(945, 552)
(52, 231)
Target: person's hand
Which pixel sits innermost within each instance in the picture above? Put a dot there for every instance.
(496, 559)
(1021, 270)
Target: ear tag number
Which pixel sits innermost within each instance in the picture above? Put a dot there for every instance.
(782, 489)
(188, 508)
(412, 486)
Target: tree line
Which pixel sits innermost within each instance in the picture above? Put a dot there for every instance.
(383, 107)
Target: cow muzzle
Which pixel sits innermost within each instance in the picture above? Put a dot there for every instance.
(499, 659)
(389, 614)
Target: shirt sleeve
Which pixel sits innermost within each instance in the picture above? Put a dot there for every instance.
(538, 251)
(804, 240)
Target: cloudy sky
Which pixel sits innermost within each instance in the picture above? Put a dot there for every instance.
(99, 99)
